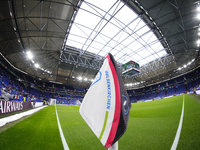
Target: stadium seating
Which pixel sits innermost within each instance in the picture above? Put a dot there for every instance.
(160, 95)
(29, 89)
(181, 89)
(152, 96)
(144, 96)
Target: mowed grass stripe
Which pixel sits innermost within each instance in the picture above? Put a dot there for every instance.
(77, 133)
(178, 132)
(190, 133)
(152, 125)
(65, 146)
(38, 132)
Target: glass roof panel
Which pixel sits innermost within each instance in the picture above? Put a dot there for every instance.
(110, 30)
(142, 31)
(161, 53)
(134, 23)
(104, 26)
(128, 41)
(136, 57)
(127, 11)
(143, 61)
(152, 37)
(97, 45)
(74, 44)
(126, 50)
(103, 4)
(93, 50)
(156, 47)
(87, 20)
(139, 26)
(120, 54)
(137, 46)
(102, 39)
(102, 53)
(151, 57)
(121, 36)
(144, 53)
(80, 31)
(114, 51)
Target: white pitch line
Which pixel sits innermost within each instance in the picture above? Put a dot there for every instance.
(175, 143)
(65, 146)
(15, 117)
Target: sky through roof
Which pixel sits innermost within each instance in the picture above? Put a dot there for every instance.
(104, 26)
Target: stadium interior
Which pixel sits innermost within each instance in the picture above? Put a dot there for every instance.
(37, 44)
(53, 49)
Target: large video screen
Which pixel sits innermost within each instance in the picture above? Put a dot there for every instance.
(130, 68)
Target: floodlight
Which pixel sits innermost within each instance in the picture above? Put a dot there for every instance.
(29, 55)
(79, 78)
(198, 16)
(198, 8)
(37, 65)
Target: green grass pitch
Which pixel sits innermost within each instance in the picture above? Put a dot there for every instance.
(152, 126)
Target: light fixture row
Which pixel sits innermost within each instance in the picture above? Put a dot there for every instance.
(30, 56)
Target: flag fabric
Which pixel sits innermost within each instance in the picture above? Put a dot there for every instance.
(16, 97)
(106, 105)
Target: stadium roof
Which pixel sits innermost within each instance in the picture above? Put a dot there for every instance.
(65, 41)
(114, 28)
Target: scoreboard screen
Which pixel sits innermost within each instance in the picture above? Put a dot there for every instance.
(130, 68)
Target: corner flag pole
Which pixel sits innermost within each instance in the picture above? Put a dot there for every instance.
(114, 146)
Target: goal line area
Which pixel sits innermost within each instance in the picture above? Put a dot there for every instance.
(52, 102)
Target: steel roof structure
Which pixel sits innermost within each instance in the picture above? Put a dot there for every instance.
(161, 35)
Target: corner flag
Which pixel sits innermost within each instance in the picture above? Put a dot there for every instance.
(106, 105)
